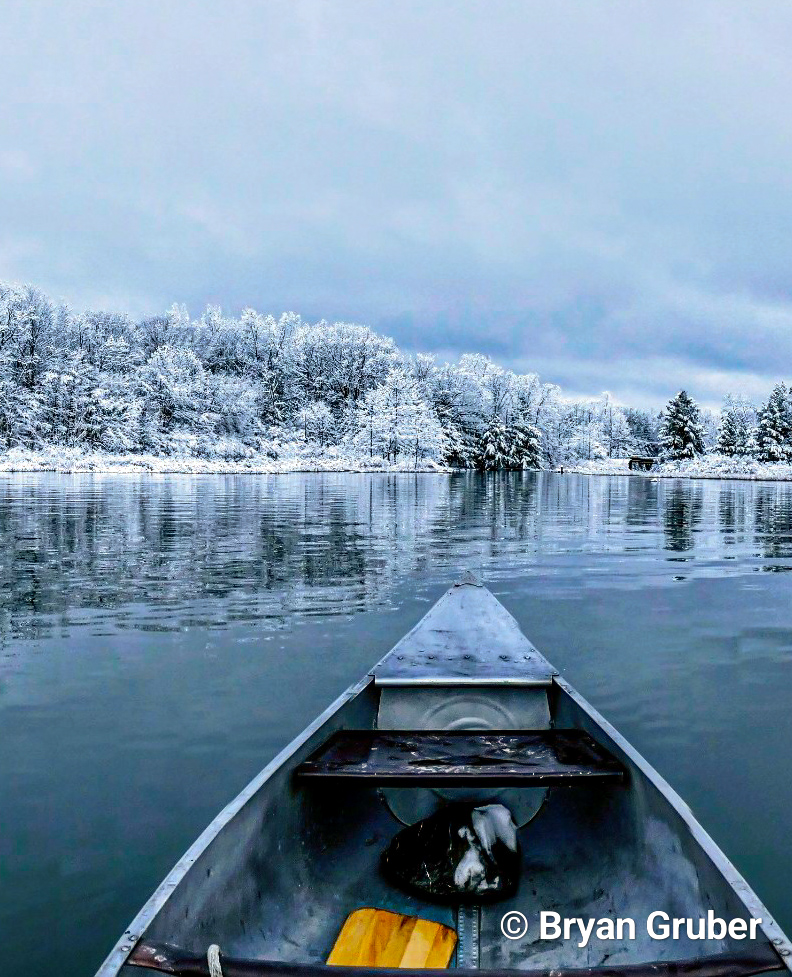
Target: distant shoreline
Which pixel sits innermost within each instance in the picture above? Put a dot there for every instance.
(74, 461)
(712, 467)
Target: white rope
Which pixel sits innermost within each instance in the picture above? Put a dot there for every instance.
(213, 959)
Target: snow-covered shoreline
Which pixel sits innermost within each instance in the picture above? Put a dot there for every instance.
(77, 461)
(713, 466)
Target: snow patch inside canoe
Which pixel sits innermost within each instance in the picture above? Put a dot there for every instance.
(462, 851)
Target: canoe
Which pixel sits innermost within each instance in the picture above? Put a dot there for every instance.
(463, 708)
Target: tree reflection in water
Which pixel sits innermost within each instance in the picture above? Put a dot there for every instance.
(208, 550)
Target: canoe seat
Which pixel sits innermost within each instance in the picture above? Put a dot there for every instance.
(447, 758)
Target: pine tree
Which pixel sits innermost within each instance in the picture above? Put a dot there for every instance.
(729, 436)
(526, 446)
(681, 434)
(460, 445)
(495, 447)
(774, 434)
(735, 437)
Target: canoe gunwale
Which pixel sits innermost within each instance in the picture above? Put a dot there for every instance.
(753, 960)
(742, 890)
(120, 953)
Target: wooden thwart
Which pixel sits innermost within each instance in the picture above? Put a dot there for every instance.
(379, 938)
(526, 758)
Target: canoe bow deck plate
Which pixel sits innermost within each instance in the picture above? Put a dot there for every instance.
(467, 638)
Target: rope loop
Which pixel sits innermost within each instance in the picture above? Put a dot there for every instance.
(213, 960)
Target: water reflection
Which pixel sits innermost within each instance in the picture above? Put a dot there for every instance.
(682, 513)
(270, 546)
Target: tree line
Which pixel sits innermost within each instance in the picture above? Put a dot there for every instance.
(235, 386)
(743, 430)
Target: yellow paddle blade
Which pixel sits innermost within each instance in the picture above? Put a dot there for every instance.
(379, 938)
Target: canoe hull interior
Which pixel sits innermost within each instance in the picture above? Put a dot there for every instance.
(277, 873)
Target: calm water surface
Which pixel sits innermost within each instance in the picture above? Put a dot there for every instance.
(162, 637)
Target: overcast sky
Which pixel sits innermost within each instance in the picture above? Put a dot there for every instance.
(600, 192)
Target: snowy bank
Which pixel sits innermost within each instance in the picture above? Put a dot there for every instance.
(704, 466)
(72, 460)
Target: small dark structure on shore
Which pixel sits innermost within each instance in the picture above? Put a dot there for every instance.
(641, 463)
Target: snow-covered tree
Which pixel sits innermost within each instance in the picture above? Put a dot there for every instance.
(644, 431)
(339, 363)
(174, 386)
(217, 340)
(512, 447)
(526, 445)
(69, 406)
(20, 411)
(394, 421)
(736, 435)
(681, 434)
(317, 423)
(615, 431)
(495, 448)
(774, 432)
(171, 383)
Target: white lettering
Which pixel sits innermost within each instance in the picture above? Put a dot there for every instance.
(716, 927)
(659, 926)
(605, 929)
(547, 920)
(662, 932)
(629, 924)
(585, 931)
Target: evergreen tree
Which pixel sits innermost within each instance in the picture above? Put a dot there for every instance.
(495, 447)
(774, 434)
(526, 446)
(735, 436)
(681, 434)
(460, 445)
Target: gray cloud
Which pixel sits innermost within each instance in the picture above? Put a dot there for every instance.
(597, 191)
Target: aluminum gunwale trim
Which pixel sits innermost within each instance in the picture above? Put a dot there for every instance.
(742, 890)
(118, 956)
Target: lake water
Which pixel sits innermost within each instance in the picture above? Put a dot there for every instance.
(162, 637)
